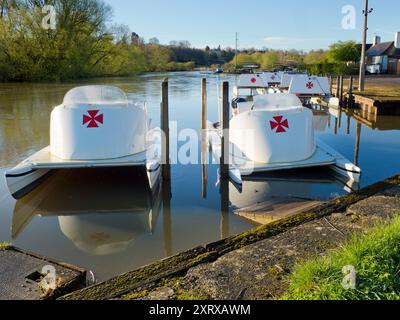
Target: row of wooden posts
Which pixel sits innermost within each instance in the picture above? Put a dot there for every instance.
(166, 167)
(224, 126)
(339, 91)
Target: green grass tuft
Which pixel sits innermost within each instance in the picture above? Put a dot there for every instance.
(5, 245)
(376, 258)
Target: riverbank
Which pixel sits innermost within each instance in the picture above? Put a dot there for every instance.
(256, 264)
(28, 276)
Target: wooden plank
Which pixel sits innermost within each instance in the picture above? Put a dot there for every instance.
(275, 209)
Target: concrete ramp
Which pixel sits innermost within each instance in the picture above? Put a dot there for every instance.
(25, 276)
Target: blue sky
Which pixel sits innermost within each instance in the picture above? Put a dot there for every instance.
(285, 24)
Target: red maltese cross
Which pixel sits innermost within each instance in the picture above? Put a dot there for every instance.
(310, 85)
(279, 124)
(93, 119)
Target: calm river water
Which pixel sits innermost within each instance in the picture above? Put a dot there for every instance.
(105, 222)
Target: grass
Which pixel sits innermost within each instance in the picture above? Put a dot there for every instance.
(4, 245)
(382, 92)
(377, 89)
(376, 258)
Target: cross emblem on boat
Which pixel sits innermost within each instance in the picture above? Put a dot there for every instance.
(93, 119)
(279, 124)
(310, 85)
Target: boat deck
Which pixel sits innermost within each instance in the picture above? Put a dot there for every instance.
(45, 160)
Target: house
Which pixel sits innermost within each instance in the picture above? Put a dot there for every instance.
(384, 57)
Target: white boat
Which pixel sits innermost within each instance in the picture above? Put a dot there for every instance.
(276, 133)
(310, 89)
(95, 126)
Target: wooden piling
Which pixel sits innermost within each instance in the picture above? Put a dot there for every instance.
(225, 132)
(204, 137)
(166, 172)
(204, 104)
(348, 123)
(357, 144)
(224, 183)
(337, 94)
(351, 98)
(341, 84)
(167, 217)
(224, 223)
(330, 84)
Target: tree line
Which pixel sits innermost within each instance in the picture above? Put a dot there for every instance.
(340, 58)
(84, 43)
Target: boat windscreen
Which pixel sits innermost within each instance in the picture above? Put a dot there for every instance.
(96, 95)
(276, 100)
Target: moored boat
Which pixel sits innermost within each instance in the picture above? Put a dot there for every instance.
(94, 127)
(276, 132)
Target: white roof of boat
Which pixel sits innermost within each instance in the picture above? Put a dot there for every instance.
(286, 78)
(271, 77)
(109, 95)
(277, 101)
(251, 81)
(309, 86)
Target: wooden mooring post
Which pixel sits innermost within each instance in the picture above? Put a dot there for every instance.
(350, 103)
(203, 136)
(330, 84)
(167, 217)
(357, 144)
(164, 109)
(341, 87)
(225, 132)
(203, 104)
(166, 167)
(337, 94)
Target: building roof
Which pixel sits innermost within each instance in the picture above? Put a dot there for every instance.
(368, 45)
(380, 49)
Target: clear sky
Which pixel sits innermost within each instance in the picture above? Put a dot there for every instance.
(284, 24)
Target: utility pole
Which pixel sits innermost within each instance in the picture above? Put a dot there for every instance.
(366, 12)
(236, 52)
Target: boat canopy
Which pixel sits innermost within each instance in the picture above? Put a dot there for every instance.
(89, 95)
(276, 101)
(251, 81)
(309, 86)
(271, 77)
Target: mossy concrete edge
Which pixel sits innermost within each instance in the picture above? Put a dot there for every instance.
(181, 263)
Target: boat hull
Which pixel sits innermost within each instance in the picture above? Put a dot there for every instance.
(28, 174)
(324, 156)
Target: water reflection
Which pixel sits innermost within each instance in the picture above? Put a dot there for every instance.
(311, 184)
(100, 210)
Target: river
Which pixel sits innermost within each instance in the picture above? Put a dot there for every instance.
(109, 225)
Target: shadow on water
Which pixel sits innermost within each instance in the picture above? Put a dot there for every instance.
(105, 220)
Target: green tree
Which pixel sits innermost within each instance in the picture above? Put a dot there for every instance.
(347, 51)
(316, 56)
